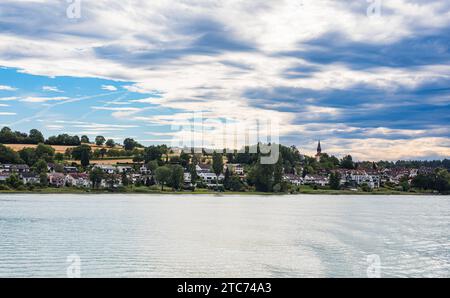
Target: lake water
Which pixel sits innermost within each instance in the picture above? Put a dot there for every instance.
(224, 236)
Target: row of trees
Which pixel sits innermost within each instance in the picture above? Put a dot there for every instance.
(7, 136)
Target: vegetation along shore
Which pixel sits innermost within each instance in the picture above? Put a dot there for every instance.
(72, 164)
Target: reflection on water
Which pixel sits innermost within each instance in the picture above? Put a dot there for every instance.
(226, 236)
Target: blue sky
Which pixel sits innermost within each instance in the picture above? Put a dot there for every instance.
(375, 85)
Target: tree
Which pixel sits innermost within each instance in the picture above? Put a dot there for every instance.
(64, 140)
(8, 155)
(45, 152)
(125, 180)
(43, 179)
(335, 180)
(262, 176)
(177, 177)
(41, 166)
(14, 181)
(217, 166)
(184, 159)
(235, 184)
(163, 175)
(36, 137)
(152, 153)
(100, 140)
(110, 143)
(226, 179)
(96, 176)
(193, 172)
(278, 173)
(347, 162)
(102, 152)
(82, 153)
(152, 166)
(85, 139)
(129, 144)
(442, 182)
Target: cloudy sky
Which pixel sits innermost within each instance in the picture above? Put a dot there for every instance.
(370, 79)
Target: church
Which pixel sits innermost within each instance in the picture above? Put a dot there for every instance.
(319, 152)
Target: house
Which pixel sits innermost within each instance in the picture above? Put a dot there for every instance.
(203, 168)
(187, 178)
(4, 176)
(10, 168)
(112, 181)
(78, 180)
(56, 179)
(107, 169)
(293, 179)
(30, 178)
(125, 169)
(316, 180)
(210, 178)
(68, 170)
(144, 170)
(235, 168)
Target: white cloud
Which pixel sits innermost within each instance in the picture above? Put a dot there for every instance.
(7, 114)
(43, 99)
(7, 88)
(8, 98)
(51, 89)
(109, 87)
(153, 43)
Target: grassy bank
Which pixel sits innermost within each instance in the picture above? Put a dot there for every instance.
(147, 190)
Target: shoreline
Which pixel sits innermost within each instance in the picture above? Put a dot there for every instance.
(153, 192)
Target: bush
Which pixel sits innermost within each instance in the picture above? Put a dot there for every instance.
(4, 187)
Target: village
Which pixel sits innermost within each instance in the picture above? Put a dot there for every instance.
(202, 171)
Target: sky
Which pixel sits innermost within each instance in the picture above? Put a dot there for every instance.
(367, 78)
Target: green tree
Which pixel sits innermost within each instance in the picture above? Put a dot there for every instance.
(43, 180)
(347, 162)
(235, 184)
(110, 143)
(177, 177)
(335, 180)
(278, 173)
(45, 152)
(100, 140)
(36, 137)
(96, 176)
(163, 175)
(83, 154)
(184, 159)
(125, 180)
(8, 155)
(14, 181)
(85, 139)
(152, 153)
(41, 166)
(152, 166)
(442, 183)
(217, 166)
(129, 144)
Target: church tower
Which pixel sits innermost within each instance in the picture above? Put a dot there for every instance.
(319, 152)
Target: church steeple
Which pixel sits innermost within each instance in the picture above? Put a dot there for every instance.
(319, 152)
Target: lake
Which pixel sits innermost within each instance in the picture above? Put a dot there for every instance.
(224, 236)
